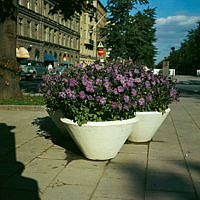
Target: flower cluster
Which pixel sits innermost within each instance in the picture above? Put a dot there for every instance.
(113, 92)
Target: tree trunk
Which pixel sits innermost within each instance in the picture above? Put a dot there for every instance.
(9, 69)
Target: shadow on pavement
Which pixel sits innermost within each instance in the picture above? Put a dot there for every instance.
(11, 182)
(48, 130)
(153, 184)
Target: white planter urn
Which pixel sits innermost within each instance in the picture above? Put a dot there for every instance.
(149, 123)
(55, 116)
(100, 140)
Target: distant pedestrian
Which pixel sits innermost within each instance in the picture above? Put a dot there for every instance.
(50, 67)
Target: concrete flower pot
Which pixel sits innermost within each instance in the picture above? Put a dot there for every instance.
(55, 116)
(100, 140)
(149, 123)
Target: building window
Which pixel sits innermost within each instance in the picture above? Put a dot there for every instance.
(77, 44)
(56, 37)
(46, 33)
(71, 43)
(36, 6)
(21, 2)
(85, 34)
(29, 31)
(51, 35)
(21, 28)
(29, 4)
(85, 19)
(60, 38)
(45, 9)
(36, 31)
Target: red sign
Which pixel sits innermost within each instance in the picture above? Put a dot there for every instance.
(100, 52)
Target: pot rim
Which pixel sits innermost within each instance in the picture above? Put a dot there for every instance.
(105, 123)
(153, 112)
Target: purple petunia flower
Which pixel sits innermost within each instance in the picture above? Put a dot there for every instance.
(89, 97)
(120, 89)
(73, 82)
(98, 81)
(134, 92)
(147, 84)
(126, 98)
(109, 89)
(114, 105)
(149, 97)
(70, 93)
(126, 107)
(115, 91)
(106, 84)
(109, 69)
(98, 67)
(90, 88)
(62, 94)
(137, 80)
(48, 92)
(136, 71)
(173, 93)
(82, 95)
(102, 101)
(141, 101)
(64, 80)
(98, 98)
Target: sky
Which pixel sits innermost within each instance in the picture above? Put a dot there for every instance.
(174, 18)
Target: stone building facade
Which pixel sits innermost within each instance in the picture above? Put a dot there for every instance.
(48, 38)
(90, 23)
(101, 22)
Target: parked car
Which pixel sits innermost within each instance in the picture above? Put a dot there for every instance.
(33, 72)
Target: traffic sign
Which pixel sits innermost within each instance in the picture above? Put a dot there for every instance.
(100, 45)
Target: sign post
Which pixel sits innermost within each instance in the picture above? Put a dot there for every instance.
(165, 68)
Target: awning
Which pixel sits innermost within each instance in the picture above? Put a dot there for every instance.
(49, 57)
(22, 53)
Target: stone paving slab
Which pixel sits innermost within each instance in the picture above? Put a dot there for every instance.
(112, 188)
(159, 195)
(75, 176)
(68, 192)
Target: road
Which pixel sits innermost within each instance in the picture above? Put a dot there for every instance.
(30, 86)
(188, 85)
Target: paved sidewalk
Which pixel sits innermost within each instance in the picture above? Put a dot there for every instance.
(37, 162)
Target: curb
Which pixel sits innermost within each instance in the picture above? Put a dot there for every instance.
(23, 108)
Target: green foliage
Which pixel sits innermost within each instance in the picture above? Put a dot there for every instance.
(186, 59)
(130, 36)
(69, 7)
(141, 36)
(7, 10)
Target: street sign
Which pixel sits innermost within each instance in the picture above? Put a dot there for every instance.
(100, 45)
(165, 64)
(100, 52)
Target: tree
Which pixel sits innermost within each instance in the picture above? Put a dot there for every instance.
(9, 70)
(186, 59)
(130, 36)
(140, 37)
(117, 27)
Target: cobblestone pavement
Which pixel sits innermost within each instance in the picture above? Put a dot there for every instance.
(38, 162)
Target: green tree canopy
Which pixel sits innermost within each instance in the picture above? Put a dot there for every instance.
(130, 36)
(186, 59)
